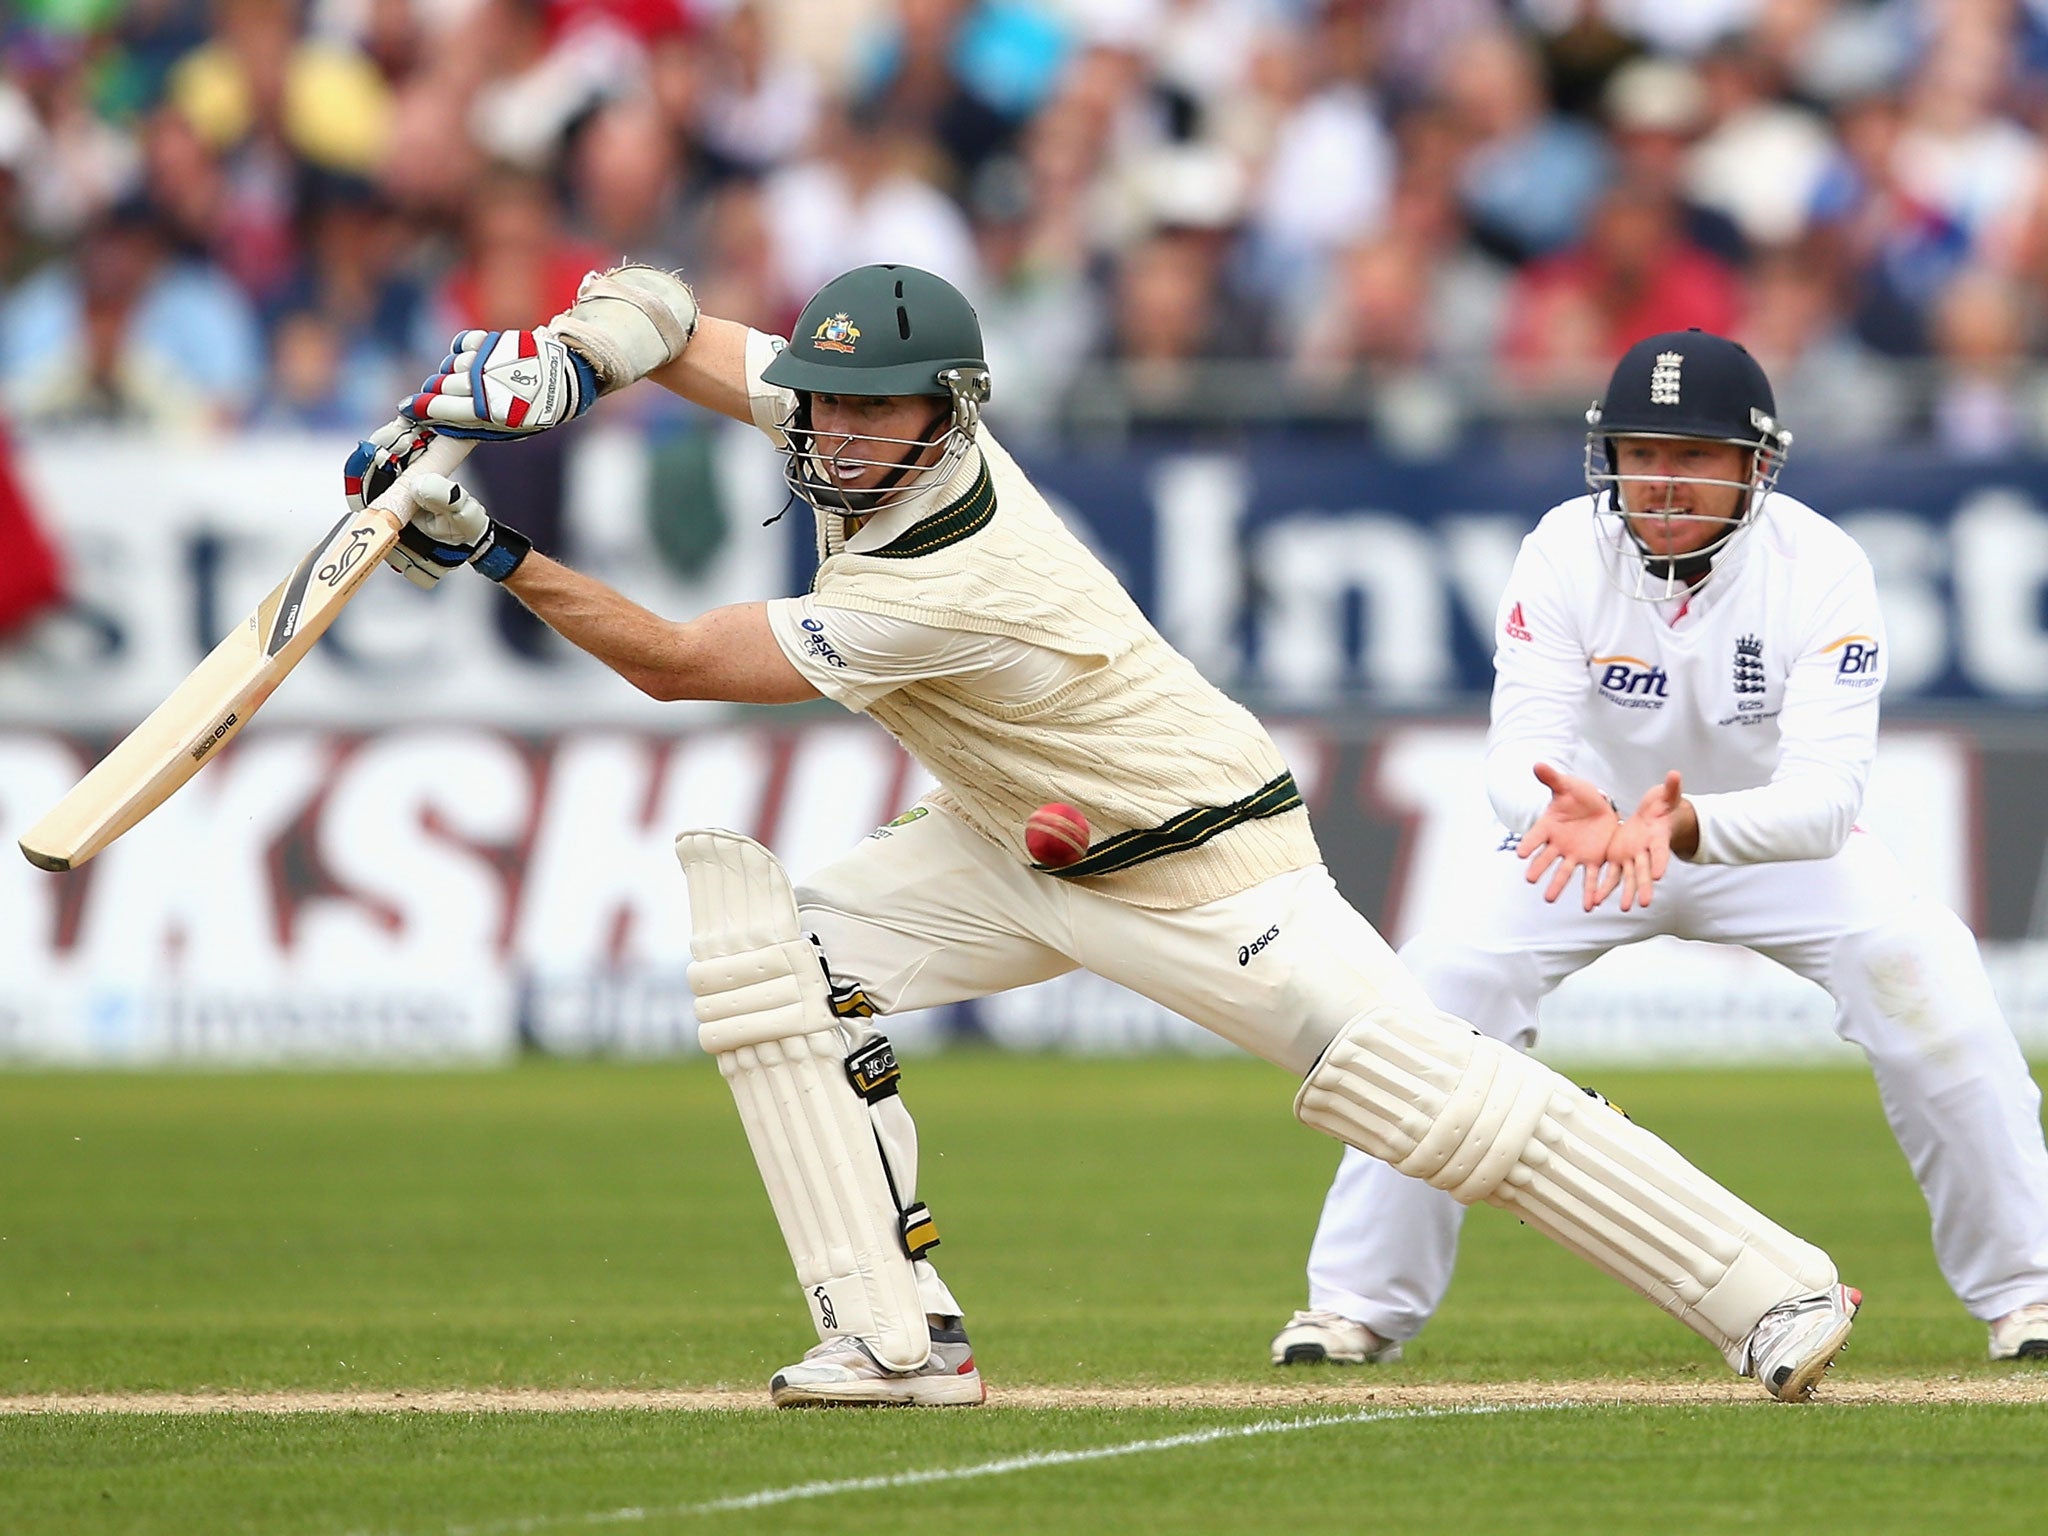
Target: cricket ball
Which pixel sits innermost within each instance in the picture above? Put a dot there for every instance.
(1055, 835)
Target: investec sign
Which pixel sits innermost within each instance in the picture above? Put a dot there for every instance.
(1311, 577)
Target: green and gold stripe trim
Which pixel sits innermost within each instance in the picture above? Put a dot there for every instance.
(1190, 829)
(949, 525)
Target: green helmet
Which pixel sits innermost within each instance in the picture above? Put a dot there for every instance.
(882, 331)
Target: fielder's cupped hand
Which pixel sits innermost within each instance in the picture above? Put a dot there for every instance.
(1640, 850)
(504, 384)
(1572, 834)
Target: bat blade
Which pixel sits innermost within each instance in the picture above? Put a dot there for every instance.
(206, 711)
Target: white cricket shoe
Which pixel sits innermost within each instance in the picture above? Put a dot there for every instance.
(1329, 1338)
(2021, 1335)
(1795, 1342)
(841, 1372)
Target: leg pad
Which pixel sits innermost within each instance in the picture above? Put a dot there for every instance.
(764, 1013)
(1471, 1116)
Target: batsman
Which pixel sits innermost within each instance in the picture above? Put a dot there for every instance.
(952, 607)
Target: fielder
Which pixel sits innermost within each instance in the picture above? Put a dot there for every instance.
(1686, 617)
(952, 607)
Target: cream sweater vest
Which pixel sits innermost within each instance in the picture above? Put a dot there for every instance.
(1186, 796)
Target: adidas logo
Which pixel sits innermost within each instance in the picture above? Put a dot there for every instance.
(1517, 630)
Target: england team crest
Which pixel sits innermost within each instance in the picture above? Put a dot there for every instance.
(837, 334)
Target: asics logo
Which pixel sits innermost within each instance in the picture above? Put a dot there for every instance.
(1246, 951)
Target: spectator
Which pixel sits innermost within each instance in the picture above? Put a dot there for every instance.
(258, 81)
(1635, 275)
(1531, 177)
(352, 299)
(627, 184)
(733, 264)
(866, 194)
(72, 163)
(1981, 328)
(1168, 318)
(1893, 252)
(1655, 110)
(1760, 159)
(964, 73)
(1328, 169)
(759, 106)
(1794, 325)
(309, 387)
(127, 334)
(1038, 318)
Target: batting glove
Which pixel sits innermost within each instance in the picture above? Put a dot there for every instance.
(450, 527)
(504, 384)
(378, 460)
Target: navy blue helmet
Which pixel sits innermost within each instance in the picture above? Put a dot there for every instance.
(1681, 384)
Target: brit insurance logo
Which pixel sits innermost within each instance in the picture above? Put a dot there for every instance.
(1856, 661)
(1631, 682)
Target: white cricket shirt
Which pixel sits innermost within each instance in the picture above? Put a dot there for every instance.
(1761, 688)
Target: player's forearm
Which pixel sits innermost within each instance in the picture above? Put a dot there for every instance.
(712, 372)
(642, 647)
(726, 654)
(1685, 830)
(1808, 816)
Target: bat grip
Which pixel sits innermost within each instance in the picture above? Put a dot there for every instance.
(442, 456)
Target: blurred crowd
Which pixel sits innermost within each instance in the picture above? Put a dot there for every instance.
(275, 212)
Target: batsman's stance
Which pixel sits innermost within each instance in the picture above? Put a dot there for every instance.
(952, 606)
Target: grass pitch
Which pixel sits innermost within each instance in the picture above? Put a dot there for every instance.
(585, 1230)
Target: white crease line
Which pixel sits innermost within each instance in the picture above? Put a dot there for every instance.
(824, 1490)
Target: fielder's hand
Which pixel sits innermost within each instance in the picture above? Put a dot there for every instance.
(504, 384)
(1572, 833)
(1640, 850)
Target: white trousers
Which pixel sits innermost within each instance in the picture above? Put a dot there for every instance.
(930, 912)
(1909, 989)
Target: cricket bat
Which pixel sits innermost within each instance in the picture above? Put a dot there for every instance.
(216, 700)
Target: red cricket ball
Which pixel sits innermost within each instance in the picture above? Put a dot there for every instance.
(1055, 835)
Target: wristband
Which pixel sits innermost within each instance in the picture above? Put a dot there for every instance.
(502, 551)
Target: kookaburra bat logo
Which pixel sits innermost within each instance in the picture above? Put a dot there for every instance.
(350, 557)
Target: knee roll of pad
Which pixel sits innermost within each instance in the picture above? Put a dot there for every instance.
(1470, 1116)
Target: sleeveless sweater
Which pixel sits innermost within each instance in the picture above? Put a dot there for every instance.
(1187, 798)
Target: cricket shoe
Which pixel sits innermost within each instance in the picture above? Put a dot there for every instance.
(1795, 1342)
(2021, 1335)
(842, 1372)
(1328, 1338)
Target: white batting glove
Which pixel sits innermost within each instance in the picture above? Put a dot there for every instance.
(504, 384)
(449, 528)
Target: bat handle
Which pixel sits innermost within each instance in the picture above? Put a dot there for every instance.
(442, 456)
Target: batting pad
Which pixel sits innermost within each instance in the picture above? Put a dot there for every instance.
(764, 1013)
(1473, 1116)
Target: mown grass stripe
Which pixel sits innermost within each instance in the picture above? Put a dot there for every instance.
(824, 1489)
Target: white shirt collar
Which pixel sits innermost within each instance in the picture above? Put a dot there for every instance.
(885, 527)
